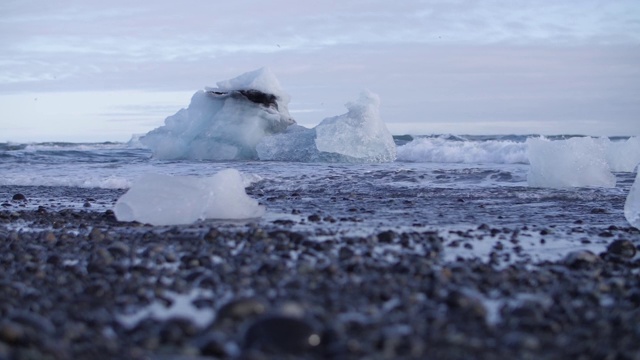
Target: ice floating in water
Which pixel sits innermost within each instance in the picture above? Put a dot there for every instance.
(359, 135)
(226, 122)
(632, 205)
(575, 162)
(247, 118)
(173, 200)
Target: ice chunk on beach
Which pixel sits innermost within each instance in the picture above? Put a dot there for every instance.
(624, 155)
(574, 162)
(224, 123)
(173, 200)
(632, 205)
(358, 136)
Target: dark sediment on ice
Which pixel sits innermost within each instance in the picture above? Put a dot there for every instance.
(80, 284)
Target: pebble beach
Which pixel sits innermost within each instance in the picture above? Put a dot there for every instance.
(78, 284)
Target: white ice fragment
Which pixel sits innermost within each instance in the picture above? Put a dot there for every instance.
(357, 136)
(624, 155)
(172, 200)
(574, 162)
(297, 143)
(360, 133)
(632, 204)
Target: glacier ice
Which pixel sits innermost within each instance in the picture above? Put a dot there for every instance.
(632, 204)
(574, 162)
(360, 133)
(248, 118)
(173, 200)
(357, 136)
(224, 123)
(624, 155)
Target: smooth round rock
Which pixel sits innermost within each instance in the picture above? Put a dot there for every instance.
(580, 258)
(240, 309)
(282, 334)
(19, 197)
(622, 248)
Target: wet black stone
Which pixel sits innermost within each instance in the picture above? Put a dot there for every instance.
(622, 248)
(177, 330)
(282, 334)
(240, 309)
(19, 197)
(212, 345)
(580, 259)
(345, 253)
(11, 332)
(386, 237)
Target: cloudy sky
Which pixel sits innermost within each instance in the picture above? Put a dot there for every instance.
(74, 70)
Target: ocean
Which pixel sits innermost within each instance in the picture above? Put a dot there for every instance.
(442, 183)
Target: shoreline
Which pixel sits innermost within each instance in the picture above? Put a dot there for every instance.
(237, 291)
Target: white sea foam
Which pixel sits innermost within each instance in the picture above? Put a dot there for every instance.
(46, 178)
(181, 307)
(445, 150)
(620, 155)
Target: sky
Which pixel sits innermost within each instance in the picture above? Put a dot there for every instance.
(79, 71)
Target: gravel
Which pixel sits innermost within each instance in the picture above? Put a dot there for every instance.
(78, 284)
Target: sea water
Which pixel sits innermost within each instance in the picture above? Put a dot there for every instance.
(449, 184)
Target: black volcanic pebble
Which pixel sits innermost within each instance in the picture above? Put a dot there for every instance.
(240, 309)
(622, 248)
(581, 258)
(19, 197)
(282, 334)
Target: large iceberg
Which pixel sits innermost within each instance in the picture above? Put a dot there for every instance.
(248, 118)
(574, 162)
(174, 200)
(358, 136)
(224, 123)
(632, 204)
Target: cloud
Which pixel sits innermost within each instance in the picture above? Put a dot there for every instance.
(431, 61)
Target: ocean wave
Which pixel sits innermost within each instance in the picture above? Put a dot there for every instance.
(73, 180)
(621, 154)
(445, 149)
